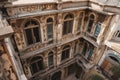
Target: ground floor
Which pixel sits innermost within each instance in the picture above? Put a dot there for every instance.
(70, 72)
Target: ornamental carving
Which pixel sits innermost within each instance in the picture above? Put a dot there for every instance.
(30, 8)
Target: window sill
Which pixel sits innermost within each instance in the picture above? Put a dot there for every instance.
(31, 46)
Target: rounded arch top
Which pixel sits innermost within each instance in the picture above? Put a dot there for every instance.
(69, 15)
(28, 21)
(114, 57)
(66, 46)
(114, 54)
(36, 58)
(93, 16)
(49, 20)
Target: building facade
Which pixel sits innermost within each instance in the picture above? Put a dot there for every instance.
(53, 40)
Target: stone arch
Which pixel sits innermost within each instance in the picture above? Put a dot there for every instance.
(52, 17)
(31, 31)
(56, 76)
(109, 60)
(91, 22)
(114, 57)
(65, 14)
(25, 20)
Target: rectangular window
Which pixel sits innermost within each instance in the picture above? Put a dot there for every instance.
(97, 30)
(36, 34)
(90, 25)
(50, 60)
(29, 36)
(65, 28)
(34, 68)
(50, 30)
(90, 54)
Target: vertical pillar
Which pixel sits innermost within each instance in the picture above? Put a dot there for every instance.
(58, 55)
(59, 28)
(63, 74)
(17, 64)
(75, 23)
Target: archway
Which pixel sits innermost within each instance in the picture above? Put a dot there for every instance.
(56, 76)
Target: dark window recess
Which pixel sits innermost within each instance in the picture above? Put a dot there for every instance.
(32, 32)
(50, 59)
(65, 52)
(50, 28)
(84, 49)
(90, 24)
(56, 76)
(29, 36)
(36, 65)
(14, 43)
(68, 24)
(36, 34)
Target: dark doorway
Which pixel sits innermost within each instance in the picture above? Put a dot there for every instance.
(56, 76)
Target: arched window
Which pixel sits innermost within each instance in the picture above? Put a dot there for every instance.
(97, 30)
(80, 21)
(56, 76)
(90, 23)
(68, 24)
(65, 52)
(36, 64)
(50, 28)
(114, 59)
(32, 31)
(51, 59)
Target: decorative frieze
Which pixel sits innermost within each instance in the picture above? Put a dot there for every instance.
(29, 8)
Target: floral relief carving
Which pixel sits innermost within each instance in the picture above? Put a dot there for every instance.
(30, 8)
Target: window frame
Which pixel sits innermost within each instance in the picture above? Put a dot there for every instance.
(89, 23)
(31, 27)
(36, 62)
(49, 55)
(64, 54)
(48, 23)
(67, 21)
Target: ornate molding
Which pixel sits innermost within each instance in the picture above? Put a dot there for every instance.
(29, 8)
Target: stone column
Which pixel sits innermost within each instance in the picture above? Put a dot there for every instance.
(17, 64)
(72, 50)
(75, 23)
(63, 74)
(45, 60)
(58, 55)
(59, 28)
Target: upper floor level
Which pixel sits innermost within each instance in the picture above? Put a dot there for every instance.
(39, 32)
